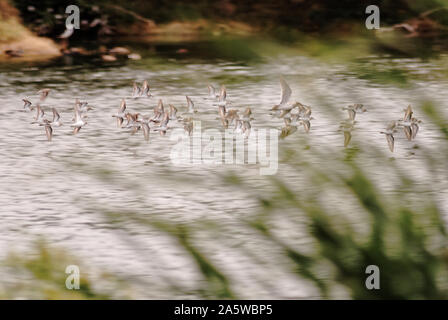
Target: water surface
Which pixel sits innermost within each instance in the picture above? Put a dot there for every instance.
(60, 190)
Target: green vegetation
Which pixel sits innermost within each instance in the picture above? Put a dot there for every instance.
(41, 275)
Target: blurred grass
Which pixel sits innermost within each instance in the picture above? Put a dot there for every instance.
(409, 268)
(431, 111)
(41, 275)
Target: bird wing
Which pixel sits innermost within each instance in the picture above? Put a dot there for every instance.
(119, 122)
(122, 106)
(306, 126)
(222, 112)
(173, 110)
(135, 90)
(223, 94)
(408, 114)
(414, 128)
(77, 113)
(135, 129)
(27, 103)
(160, 107)
(55, 115)
(145, 131)
(43, 94)
(408, 132)
(49, 132)
(211, 90)
(165, 120)
(390, 142)
(145, 88)
(190, 103)
(40, 112)
(286, 91)
(391, 126)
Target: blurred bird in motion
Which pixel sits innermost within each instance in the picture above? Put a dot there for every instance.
(120, 115)
(79, 122)
(288, 128)
(27, 104)
(353, 109)
(190, 105)
(390, 130)
(283, 107)
(44, 93)
(294, 115)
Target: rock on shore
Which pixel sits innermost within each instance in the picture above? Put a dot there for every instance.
(16, 41)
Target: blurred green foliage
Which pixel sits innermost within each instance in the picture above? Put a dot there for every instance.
(400, 241)
(41, 275)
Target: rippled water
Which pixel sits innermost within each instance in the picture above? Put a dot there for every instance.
(60, 189)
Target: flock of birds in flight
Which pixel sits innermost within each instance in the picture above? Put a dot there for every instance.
(294, 114)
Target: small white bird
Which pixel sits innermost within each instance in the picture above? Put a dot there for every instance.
(232, 115)
(288, 128)
(136, 91)
(173, 112)
(222, 99)
(27, 104)
(188, 126)
(353, 109)
(285, 96)
(390, 130)
(146, 130)
(305, 119)
(414, 128)
(163, 124)
(238, 126)
(351, 112)
(50, 124)
(408, 114)
(79, 122)
(212, 92)
(44, 93)
(159, 111)
(246, 127)
(120, 115)
(190, 105)
(83, 108)
(409, 124)
(145, 89)
(39, 114)
(48, 129)
(56, 122)
(246, 115)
